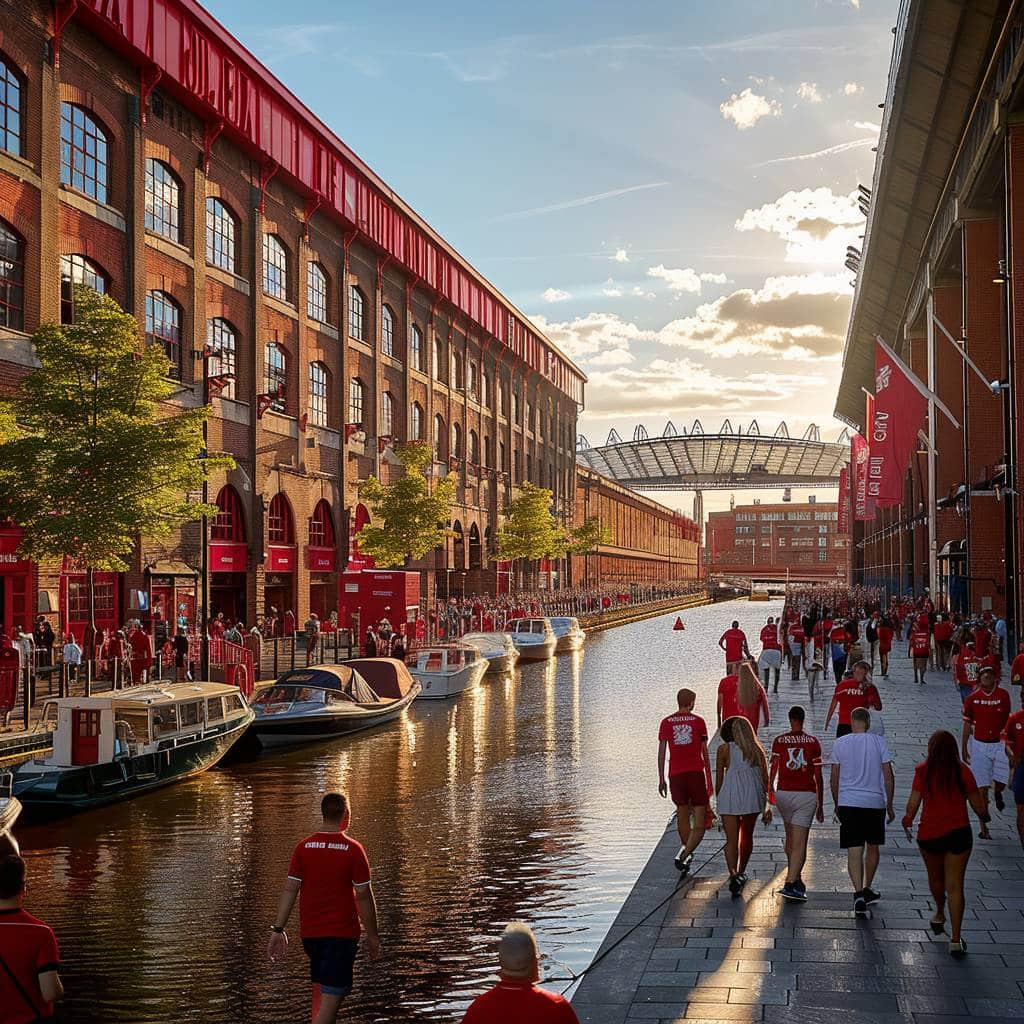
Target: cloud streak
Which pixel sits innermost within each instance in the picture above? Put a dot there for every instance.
(842, 147)
(571, 204)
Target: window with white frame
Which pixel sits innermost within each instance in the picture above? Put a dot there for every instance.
(316, 292)
(319, 389)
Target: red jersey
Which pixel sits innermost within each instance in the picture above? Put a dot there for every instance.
(942, 810)
(885, 639)
(982, 639)
(920, 643)
(838, 635)
(818, 633)
(734, 640)
(968, 665)
(796, 754)
(29, 948)
(328, 865)
(728, 692)
(992, 662)
(797, 635)
(943, 632)
(685, 734)
(851, 695)
(988, 713)
(1017, 670)
(1013, 733)
(770, 638)
(512, 1002)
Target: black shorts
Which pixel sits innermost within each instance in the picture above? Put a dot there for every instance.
(330, 964)
(843, 730)
(860, 825)
(960, 840)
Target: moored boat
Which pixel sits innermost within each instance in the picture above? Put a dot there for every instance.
(306, 705)
(534, 639)
(446, 669)
(123, 743)
(497, 648)
(568, 634)
(10, 808)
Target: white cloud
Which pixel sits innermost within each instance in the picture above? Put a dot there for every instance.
(593, 334)
(852, 89)
(555, 295)
(621, 256)
(809, 92)
(641, 294)
(684, 279)
(815, 223)
(612, 357)
(842, 147)
(746, 108)
(713, 278)
(611, 289)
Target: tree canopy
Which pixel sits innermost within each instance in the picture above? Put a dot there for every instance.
(530, 530)
(589, 536)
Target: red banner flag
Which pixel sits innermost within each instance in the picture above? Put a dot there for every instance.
(899, 412)
(843, 525)
(859, 467)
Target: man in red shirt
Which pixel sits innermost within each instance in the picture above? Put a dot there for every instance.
(331, 870)
(1017, 669)
(516, 998)
(771, 652)
(796, 778)
(982, 639)
(29, 982)
(684, 737)
(734, 642)
(797, 639)
(943, 633)
(855, 691)
(966, 666)
(1013, 737)
(919, 648)
(986, 712)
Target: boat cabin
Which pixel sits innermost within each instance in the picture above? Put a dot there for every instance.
(444, 658)
(563, 625)
(325, 684)
(528, 627)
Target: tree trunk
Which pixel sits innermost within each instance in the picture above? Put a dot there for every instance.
(90, 629)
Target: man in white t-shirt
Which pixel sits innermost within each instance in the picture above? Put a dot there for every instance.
(863, 787)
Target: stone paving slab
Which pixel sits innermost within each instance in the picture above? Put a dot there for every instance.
(706, 956)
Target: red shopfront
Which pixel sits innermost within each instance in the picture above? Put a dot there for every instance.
(74, 599)
(279, 589)
(16, 583)
(228, 563)
(323, 581)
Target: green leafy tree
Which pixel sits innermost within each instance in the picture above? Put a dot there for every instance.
(412, 514)
(98, 458)
(530, 531)
(589, 536)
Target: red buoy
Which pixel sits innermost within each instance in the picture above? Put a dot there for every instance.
(679, 624)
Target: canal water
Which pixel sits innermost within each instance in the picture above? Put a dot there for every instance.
(533, 798)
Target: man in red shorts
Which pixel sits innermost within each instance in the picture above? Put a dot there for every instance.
(986, 712)
(855, 691)
(684, 736)
(920, 648)
(516, 998)
(1013, 737)
(734, 642)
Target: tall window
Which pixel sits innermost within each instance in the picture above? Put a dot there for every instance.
(356, 307)
(387, 414)
(487, 451)
(316, 293)
(83, 153)
(502, 457)
(275, 267)
(319, 387)
(440, 369)
(220, 235)
(275, 375)
(280, 525)
(416, 422)
(163, 200)
(456, 441)
(355, 401)
(458, 379)
(474, 448)
(440, 439)
(12, 279)
(387, 332)
(10, 109)
(485, 388)
(416, 348)
(229, 523)
(221, 343)
(321, 526)
(77, 269)
(163, 327)
(471, 379)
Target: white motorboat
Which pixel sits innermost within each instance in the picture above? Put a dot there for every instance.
(10, 808)
(568, 634)
(534, 639)
(446, 669)
(497, 648)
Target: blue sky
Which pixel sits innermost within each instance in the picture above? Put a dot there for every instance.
(664, 186)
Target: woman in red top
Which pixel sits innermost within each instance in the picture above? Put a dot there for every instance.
(885, 634)
(945, 785)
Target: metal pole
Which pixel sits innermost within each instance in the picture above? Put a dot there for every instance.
(933, 571)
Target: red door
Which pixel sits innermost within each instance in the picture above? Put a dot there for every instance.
(85, 736)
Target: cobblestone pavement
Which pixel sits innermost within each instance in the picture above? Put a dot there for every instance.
(706, 956)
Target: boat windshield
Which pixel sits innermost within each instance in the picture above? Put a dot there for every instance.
(530, 626)
(292, 694)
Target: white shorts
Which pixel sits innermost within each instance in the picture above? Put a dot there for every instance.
(796, 807)
(988, 762)
(771, 657)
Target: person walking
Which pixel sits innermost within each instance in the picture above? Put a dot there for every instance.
(839, 641)
(179, 647)
(29, 980)
(312, 631)
(71, 655)
(944, 785)
(743, 694)
(863, 788)
(684, 737)
(516, 997)
(919, 647)
(795, 775)
(855, 691)
(742, 790)
(885, 635)
(333, 874)
(796, 639)
(966, 669)
(771, 653)
(986, 712)
(942, 631)
(871, 636)
(734, 642)
(1013, 737)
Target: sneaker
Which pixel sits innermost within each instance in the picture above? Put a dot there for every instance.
(870, 896)
(735, 884)
(1000, 801)
(683, 863)
(958, 950)
(790, 892)
(860, 905)
(799, 883)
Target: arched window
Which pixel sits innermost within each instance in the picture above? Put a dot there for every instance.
(316, 293)
(12, 278)
(502, 457)
(440, 369)
(83, 152)
(356, 307)
(456, 441)
(229, 523)
(319, 389)
(275, 267)
(280, 524)
(440, 439)
(387, 414)
(416, 348)
(416, 422)
(474, 448)
(515, 407)
(275, 375)
(457, 370)
(485, 388)
(387, 331)
(78, 269)
(487, 452)
(163, 200)
(10, 109)
(163, 327)
(471, 380)
(321, 526)
(220, 235)
(355, 401)
(221, 341)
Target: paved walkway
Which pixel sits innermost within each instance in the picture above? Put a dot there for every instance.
(708, 957)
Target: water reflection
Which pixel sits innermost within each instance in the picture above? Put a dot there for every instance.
(532, 797)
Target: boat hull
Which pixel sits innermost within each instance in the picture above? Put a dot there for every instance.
(535, 652)
(570, 642)
(501, 663)
(439, 685)
(10, 808)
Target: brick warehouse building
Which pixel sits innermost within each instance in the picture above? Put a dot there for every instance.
(144, 151)
(798, 541)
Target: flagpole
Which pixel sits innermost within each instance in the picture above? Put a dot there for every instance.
(933, 562)
(965, 357)
(924, 391)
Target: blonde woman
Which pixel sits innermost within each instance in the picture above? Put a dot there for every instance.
(742, 789)
(751, 697)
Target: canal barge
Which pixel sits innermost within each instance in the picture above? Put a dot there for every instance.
(321, 703)
(497, 648)
(568, 634)
(534, 639)
(447, 669)
(118, 745)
